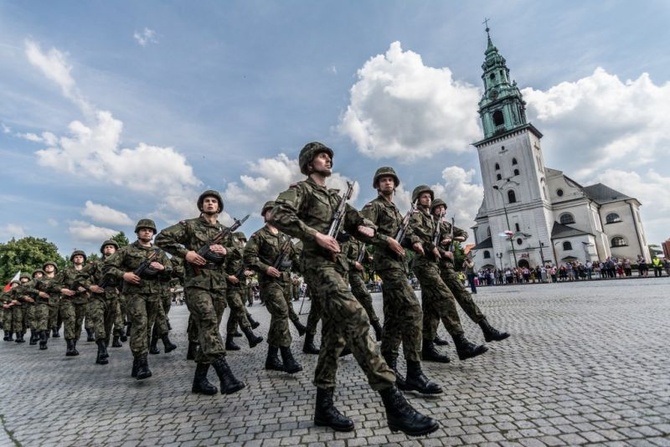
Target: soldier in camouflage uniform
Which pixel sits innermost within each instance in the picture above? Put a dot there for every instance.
(437, 298)
(237, 275)
(16, 307)
(74, 299)
(31, 309)
(306, 211)
(51, 270)
(161, 324)
(141, 266)
(203, 243)
(357, 256)
(449, 275)
(104, 299)
(9, 300)
(402, 311)
(44, 299)
(270, 253)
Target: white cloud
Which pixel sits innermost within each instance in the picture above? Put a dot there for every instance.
(463, 197)
(105, 215)
(53, 222)
(11, 231)
(5, 128)
(401, 108)
(85, 232)
(145, 37)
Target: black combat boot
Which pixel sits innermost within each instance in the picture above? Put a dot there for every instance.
(33, 337)
(105, 353)
(309, 347)
(429, 353)
(69, 352)
(8, 336)
(54, 333)
(74, 347)
(200, 383)
(325, 413)
(401, 416)
(44, 336)
(300, 327)
(116, 343)
(254, 324)
(192, 349)
(143, 371)
(169, 346)
(236, 333)
(129, 325)
(466, 349)
(101, 358)
(19, 338)
(124, 333)
(272, 362)
(378, 329)
(290, 364)
(440, 341)
(136, 366)
(490, 333)
(230, 343)
(153, 345)
(90, 334)
(392, 362)
(229, 384)
(417, 380)
(252, 338)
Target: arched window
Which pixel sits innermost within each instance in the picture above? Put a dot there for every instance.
(516, 172)
(498, 118)
(612, 218)
(567, 246)
(517, 227)
(498, 176)
(514, 161)
(511, 197)
(618, 241)
(487, 254)
(567, 218)
(497, 167)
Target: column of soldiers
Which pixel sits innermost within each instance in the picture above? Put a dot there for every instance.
(336, 244)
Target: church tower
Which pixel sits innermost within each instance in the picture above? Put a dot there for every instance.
(515, 218)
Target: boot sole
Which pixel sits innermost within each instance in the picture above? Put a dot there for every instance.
(206, 393)
(341, 428)
(436, 360)
(477, 354)
(497, 339)
(143, 376)
(234, 389)
(426, 431)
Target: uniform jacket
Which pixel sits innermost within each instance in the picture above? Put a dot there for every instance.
(128, 259)
(387, 218)
(263, 250)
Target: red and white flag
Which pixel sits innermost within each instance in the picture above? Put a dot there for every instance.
(15, 278)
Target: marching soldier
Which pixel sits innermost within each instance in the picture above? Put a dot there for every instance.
(402, 311)
(306, 211)
(141, 266)
(450, 277)
(436, 296)
(203, 243)
(74, 299)
(270, 253)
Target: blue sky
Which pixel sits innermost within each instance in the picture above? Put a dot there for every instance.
(115, 111)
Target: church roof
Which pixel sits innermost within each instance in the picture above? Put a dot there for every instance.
(600, 193)
(560, 231)
(486, 243)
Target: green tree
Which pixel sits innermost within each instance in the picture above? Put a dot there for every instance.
(121, 239)
(27, 254)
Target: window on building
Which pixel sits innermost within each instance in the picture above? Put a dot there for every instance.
(612, 218)
(492, 77)
(514, 162)
(566, 219)
(498, 118)
(488, 232)
(511, 197)
(519, 241)
(498, 177)
(487, 254)
(518, 229)
(516, 172)
(559, 192)
(618, 241)
(567, 246)
(497, 167)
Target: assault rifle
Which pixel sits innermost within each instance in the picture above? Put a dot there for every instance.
(436, 233)
(282, 259)
(206, 253)
(361, 255)
(144, 266)
(338, 217)
(405, 222)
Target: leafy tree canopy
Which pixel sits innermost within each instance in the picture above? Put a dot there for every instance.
(27, 255)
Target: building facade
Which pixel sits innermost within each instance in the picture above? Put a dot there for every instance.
(531, 214)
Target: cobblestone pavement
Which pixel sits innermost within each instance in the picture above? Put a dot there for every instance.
(587, 363)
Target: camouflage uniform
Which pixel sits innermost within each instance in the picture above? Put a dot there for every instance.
(103, 306)
(301, 211)
(354, 250)
(238, 312)
(72, 308)
(143, 298)
(41, 309)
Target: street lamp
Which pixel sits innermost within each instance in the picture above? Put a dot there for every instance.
(500, 256)
(502, 197)
(542, 252)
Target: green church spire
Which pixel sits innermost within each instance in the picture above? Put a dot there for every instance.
(502, 107)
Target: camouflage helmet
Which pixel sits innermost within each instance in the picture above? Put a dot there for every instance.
(240, 235)
(145, 223)
(267, 206)
(437, 202)
(308, 153)
(421, 189)
(210, 193)
(383, 172)
(14, 281)
(38, 271)
(77, 252)
(44, 266)
(109, 242)
(26, 276)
